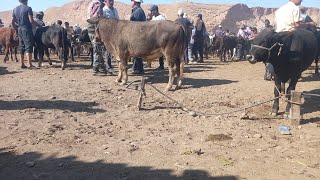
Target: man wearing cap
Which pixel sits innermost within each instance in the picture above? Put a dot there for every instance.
(23, 16)
(137, 14)
(219, 32)
(188, 26)
(77, 29)
(156, 16)
(39, 20)
(199, 37)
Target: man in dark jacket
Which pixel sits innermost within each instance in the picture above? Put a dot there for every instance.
(137, 15)
(23, 16)
(199, 38)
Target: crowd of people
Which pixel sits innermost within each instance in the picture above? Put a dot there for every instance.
(26, 24)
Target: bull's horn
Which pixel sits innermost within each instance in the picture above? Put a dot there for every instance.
(251, 59)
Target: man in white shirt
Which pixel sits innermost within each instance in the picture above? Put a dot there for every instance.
(287, 17)
(109, 11)
(156, 16)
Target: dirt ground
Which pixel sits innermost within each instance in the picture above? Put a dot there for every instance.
(71, 124)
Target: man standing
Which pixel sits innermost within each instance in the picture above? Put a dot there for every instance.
(188, 25)
(96, 10)
(219, 32)
(109, 11)
(39, 20)
(137, 15)
(266, 25)
(23, 16)
(156, 16)
(243, 36)
(199, 38)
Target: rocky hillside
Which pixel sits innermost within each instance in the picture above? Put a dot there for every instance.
(230, 16)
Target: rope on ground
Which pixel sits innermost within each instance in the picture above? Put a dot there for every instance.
(213, 114)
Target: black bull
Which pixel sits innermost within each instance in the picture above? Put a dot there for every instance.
(52, 37)
(149, 40)
(275, 48)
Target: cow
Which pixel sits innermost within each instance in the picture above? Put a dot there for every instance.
(274, 48)
(52, 37)
(149, 40)
(229, 43)
(9, 39)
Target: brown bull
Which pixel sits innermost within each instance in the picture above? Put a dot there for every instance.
(149, 40)
(9, 39)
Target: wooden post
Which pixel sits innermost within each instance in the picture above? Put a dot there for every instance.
(141, 94)
(295, 107)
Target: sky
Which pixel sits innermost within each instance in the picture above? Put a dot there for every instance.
(41, 5)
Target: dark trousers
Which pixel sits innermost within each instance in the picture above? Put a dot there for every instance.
(198, 48)
(108, 58)
(137, 64)
(161, 62)
(25, 40)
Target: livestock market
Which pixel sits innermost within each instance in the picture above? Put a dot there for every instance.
(121, 90)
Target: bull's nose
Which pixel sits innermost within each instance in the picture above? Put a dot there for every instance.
(251, 59)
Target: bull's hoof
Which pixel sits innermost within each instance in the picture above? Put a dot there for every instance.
(168, 88)
(62, 68)
(123, 83)
(286, 116)
(117, 81)
(273, 114)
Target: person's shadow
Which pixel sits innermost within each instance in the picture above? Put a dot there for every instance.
(33, 165)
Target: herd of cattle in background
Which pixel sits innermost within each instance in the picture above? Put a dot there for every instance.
(80, 43)
(77, 44)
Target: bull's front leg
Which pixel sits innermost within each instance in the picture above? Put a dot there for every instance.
(171, 75)
(6, 51)
(179, 69)
(124, 69)
(15, 54)
(277, 89)
(11, 53)
(119, 78)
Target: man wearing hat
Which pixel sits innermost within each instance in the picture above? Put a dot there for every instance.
(137, 14)
(199, 37)
(189, 27)
(219, 32)
(23, 16)
(156, 16)
(244, 44)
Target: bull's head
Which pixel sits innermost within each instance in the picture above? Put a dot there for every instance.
(266, 45)
(260, 49)
(96, 20)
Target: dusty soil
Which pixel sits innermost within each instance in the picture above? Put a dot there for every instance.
(71, 124)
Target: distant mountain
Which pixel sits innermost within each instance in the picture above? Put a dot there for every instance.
(229, 16)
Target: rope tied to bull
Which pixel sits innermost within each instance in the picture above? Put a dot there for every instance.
(186, 108)
(270, 49)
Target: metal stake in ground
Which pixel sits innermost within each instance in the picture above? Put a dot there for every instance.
(295, 107)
